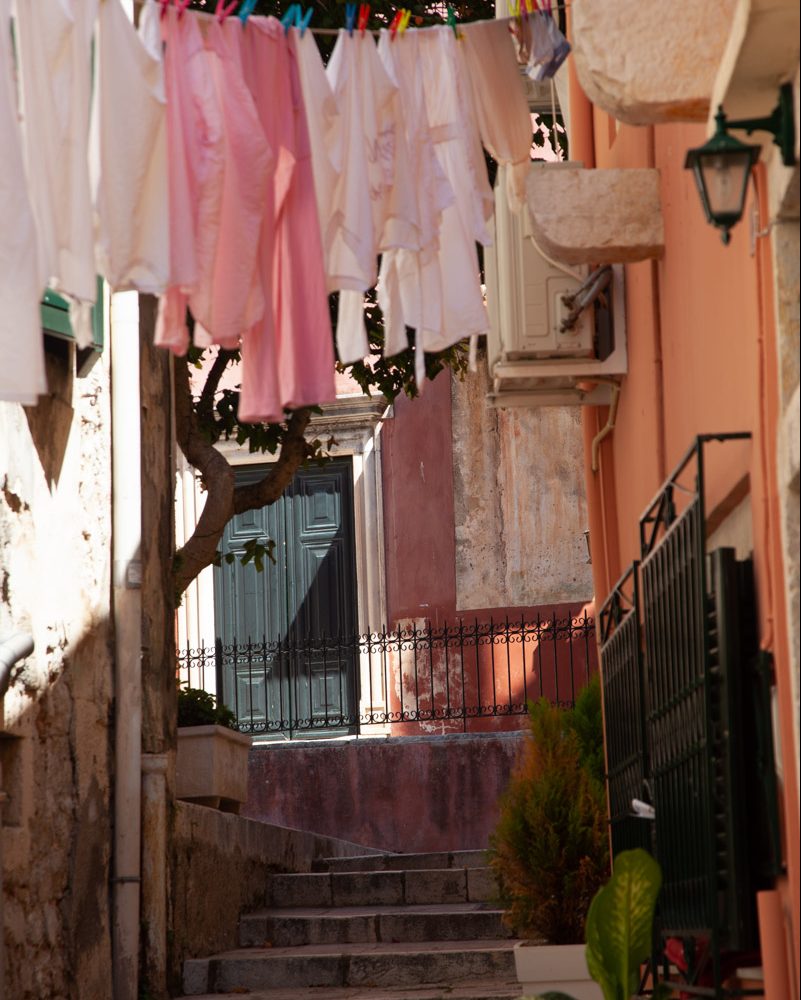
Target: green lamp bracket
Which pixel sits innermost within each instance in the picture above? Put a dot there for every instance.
(779, 123)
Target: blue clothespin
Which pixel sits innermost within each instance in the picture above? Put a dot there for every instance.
(302, 23)
(246, 10)
(350, 17)
(290, 17)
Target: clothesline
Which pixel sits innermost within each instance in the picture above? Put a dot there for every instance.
(240, 178)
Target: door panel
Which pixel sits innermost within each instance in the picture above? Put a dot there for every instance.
(294, 684)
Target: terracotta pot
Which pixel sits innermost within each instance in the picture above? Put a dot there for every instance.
(212, 766)
(563, 967)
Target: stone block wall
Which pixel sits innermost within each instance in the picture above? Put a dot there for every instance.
(55, 754)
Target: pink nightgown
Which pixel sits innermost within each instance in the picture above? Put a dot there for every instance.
(302, 325)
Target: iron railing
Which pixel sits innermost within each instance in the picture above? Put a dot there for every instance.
(416, 679)
(685, 717)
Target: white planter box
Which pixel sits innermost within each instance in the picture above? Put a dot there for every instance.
(212, 766)
(543, 967)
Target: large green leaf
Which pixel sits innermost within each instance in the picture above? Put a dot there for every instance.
(619, 924)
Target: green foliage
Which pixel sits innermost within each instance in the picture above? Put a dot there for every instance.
(549, 850)
(586, 720)
(199, 708)
(620, 924)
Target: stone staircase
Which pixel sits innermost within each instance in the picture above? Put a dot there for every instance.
(378, 927)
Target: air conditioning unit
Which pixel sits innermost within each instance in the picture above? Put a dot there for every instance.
(535, 357)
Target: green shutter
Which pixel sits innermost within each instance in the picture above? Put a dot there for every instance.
(56, 323)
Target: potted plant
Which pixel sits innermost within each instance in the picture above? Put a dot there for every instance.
(549, 850)
(212, 763)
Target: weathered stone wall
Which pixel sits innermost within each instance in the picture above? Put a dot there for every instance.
(350, 788)
(55, 528)
(520, 508)
(207, 904)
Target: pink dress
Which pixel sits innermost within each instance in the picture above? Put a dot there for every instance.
(196, 157)
(302, 323)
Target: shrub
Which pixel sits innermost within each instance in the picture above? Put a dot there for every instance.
(199, 708)
(549, 850)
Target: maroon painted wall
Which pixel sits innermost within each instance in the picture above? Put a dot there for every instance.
(404, 794)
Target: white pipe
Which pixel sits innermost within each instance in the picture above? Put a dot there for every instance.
(127, 573)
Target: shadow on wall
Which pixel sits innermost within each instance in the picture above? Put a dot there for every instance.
(56, 760)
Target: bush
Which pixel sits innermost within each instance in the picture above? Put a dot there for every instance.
(199, 708)
(549, 850)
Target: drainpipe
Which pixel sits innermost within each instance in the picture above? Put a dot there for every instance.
(12, 650)
(127, 609)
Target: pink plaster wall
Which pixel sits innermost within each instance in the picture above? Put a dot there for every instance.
(405, 794)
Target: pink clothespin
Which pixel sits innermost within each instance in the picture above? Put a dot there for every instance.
(164, 5)
(181, 5)
(221, 11)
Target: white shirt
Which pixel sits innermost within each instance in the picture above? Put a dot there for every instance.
(22, 374)
(54, 47)
(128, 152)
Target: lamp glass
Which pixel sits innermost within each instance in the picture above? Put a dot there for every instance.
(725, 179)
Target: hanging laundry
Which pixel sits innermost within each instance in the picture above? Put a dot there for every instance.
(128, 151)
(453, 306)
(230, 295)
(408, 272)
(365, 96)
(22, 375)
(195, 145)
(54, 49)
(541, 46)
(504, 121)
(325, 130)
(291, 246)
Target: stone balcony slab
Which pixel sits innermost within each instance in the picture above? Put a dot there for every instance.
(645, 62)
(596, 216)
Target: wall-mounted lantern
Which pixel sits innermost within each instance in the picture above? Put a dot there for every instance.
(723, 165)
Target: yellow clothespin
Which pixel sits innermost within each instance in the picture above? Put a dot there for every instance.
(404, 21)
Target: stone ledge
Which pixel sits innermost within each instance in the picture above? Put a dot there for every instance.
(596, 216)
(646, 63)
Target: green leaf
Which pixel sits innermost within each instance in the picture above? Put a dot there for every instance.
(619, 923)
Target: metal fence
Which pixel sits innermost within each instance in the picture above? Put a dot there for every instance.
(463, 677)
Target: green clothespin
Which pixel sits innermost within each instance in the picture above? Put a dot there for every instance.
(452, 20)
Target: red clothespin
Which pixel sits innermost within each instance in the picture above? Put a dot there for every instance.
(164, 5)
(396, 20)
(364, 16)
(182, 5)
(221, 11)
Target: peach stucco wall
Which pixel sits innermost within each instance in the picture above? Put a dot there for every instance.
(702, 359)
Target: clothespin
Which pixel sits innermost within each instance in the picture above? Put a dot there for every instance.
(350, 17)
(302, 22)
(221, 11)
(164, 5)
(404, 23)
(393, 28)
(452, 20)
(290, 17)
(364, 16)
(514, 7)
(181, 5)
(246, 10)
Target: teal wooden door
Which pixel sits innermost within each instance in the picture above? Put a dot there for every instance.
(285, 668)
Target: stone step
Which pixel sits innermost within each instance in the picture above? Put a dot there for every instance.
(474, 989)
(383, 888)
(361, 965)
(286, 928)
(398, 862)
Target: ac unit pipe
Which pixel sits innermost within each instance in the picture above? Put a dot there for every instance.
(13, 649)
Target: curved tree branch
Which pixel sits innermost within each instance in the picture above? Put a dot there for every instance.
(294, 452)
(223, 498)
(216, 475)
